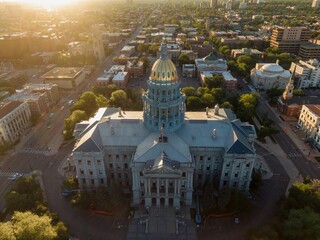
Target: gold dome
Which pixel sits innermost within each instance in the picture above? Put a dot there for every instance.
(164, 69)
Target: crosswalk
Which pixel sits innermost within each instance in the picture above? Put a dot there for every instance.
(11, 174)
(35, 151)
(294, 155)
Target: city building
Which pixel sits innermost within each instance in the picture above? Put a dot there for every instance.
(245, 51)
(37, 102)
(289, 39)
(128, 50)
(210, 63)
(135, 68)
(309, 50)
(51, 90)
(235, 41)
(315, 3)
(309, 122)
(191, 54)
(230, 83)
(202, 49)
(307, 73)
(268, 75)
(65, 77)
(164, 154)
(117, 75)
(14, 120)
(189, 70)
(15, 78)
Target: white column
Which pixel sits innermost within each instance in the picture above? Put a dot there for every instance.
(179, 184)
(145, 186)
(158, 191)
(175, 186)
(149, 186)
(167, 182)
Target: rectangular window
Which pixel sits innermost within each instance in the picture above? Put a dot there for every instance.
(90, 172)
(83, 181)
(183, 174)
(89, 162)
(117, 156)
(208, 167)
(79, 162)
(99, 162)
(141, 174)
(126, 165)
(199, 176)
(248, 165)
(101, 181)
(81, 172)
(201, 158)
(110, 165)
(226, 174)
(119, 175)
(236, 175)
(92, 181)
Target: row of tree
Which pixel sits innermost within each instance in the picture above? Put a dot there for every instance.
(31, 219)
(298, 215)
(90, 102)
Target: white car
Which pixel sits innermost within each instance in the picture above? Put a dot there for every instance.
(15, 176)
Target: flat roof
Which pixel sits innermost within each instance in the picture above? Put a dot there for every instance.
(63, 72)
(314, 108)
(8, 107)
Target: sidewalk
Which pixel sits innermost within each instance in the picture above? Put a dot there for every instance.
(289, 167)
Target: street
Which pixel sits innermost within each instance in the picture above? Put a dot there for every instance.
(295, 153)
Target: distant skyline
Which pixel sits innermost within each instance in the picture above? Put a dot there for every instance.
(43, 3)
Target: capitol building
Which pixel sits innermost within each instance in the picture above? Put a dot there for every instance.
(163, 154)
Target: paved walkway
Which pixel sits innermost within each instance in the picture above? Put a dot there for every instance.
(287, 164)
(162, 223)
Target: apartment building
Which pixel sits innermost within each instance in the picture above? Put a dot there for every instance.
(307, 73)
(14, 120)
(289, 39)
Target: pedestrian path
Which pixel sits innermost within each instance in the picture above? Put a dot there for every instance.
(33, 150)
(295, 155)
(11, 174)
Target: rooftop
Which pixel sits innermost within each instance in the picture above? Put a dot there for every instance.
(8, 107)
(63, 72)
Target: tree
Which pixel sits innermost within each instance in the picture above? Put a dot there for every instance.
(142, 47)
(302, 224)
(214, 81)
(224, 51)
(7, 231)
(248, 103)
(188, 91)
(69, 123)
(183, 59)
(26, 225)
(146, 62)
(87, 103)
(298, 92)
(154, 48)
(227, 105)
(119, 98)
(218, 94)
(193, 103)
(202, 90)
(25, 195)
(207, 100)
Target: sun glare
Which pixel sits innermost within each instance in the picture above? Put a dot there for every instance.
(45, 3)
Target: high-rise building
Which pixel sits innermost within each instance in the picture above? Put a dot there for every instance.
(163, 153)
(315, 3)
(289, 39)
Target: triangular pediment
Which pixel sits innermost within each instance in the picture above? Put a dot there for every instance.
(162, 165)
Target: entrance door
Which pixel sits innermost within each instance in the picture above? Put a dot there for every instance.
(154, 201)
(161, 201)
(171, 202)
